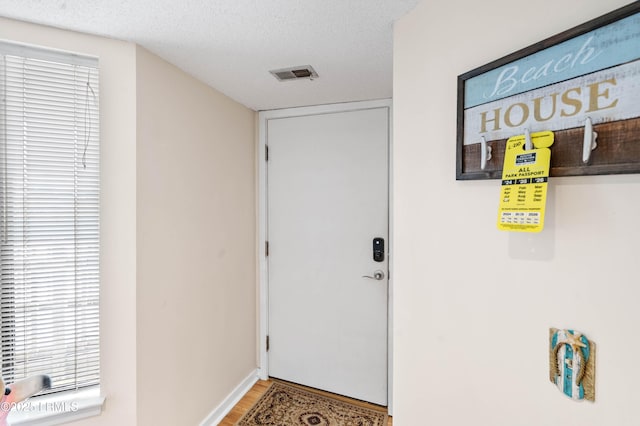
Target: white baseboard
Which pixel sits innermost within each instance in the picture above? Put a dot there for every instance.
(231, 400)
(262, 374)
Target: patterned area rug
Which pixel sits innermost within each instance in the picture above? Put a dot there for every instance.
(286, 405)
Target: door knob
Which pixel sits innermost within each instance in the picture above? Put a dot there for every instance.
(377, 275)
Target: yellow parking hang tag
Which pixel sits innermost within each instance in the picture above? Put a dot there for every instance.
(525, 176)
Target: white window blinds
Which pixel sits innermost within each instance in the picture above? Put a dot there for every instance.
(49, 217)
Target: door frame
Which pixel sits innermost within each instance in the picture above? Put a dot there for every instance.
(262, 237)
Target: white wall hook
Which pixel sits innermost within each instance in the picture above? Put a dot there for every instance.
(485, 153)
(589, 143)
(528, 145)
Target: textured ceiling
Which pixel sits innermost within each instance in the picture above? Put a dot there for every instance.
(232, 44)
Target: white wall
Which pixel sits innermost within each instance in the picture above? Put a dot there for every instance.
(196, 288)
(473, 304)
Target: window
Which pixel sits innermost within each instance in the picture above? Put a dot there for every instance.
(49, 216)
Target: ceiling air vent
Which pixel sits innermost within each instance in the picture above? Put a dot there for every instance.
(295, 73)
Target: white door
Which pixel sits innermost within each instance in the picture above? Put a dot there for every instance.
(327, 200)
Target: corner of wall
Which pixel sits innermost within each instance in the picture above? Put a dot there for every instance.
(196, 286)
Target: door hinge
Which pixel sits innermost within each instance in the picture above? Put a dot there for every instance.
(266, 153)
(267, 343)
(266, 248)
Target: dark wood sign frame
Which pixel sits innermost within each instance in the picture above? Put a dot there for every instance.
(618, 141)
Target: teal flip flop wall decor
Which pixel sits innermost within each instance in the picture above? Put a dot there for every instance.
(572, 363)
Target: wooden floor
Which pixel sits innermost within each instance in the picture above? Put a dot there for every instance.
(260, 388)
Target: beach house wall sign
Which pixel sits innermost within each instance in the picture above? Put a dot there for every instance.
(584, 80)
